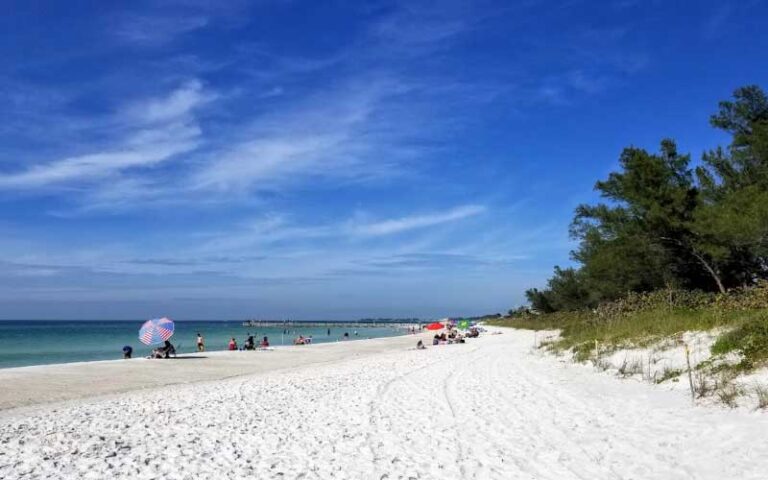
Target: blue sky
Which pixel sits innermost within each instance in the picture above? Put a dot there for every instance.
(332, 159)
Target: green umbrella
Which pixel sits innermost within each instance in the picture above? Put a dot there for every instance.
(463, 324)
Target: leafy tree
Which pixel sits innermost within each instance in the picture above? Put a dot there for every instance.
(660, 225)
(539, 300)
(732, 220)
(642, 239)
(568, 290)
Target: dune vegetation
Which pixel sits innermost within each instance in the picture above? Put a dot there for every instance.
(642, 319)
(675, 246)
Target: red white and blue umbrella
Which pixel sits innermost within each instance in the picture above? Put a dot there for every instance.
(156, 331)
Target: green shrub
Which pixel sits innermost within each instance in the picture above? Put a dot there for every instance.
(749, 339)
(639, 320)
(670, 374)
(762, 396)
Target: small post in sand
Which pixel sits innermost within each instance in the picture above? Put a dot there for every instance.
(690, 375)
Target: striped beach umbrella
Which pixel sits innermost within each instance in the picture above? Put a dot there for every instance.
(156, 331)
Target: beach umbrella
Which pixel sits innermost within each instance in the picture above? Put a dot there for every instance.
(463, 324)
(156, 331)
(435, 326)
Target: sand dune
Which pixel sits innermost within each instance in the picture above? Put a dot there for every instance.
(490, 409)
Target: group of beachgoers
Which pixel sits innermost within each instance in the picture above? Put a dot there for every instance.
(167, 349)
(249, 344)
(451, 336)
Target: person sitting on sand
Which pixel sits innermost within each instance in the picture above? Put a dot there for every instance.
(127, 351)
(232, 344)
(308, 340)
(164, 352)
(265, 343)
(420, 346)
(436, 340)
(169, 349)
(299, 340)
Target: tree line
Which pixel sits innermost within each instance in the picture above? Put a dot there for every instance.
(665, 224)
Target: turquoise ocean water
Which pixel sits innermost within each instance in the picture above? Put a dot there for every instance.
(41, 342)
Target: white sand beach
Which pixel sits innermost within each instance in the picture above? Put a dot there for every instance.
(50, 383)
(378, 409)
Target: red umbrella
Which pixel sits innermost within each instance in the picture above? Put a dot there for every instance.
(435, 326)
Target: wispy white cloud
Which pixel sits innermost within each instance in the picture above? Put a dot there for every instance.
(418, 28)
(180, 103)
(271, 246)
(145, 149)
(152, 30)
(332, 135)
(155, 131)
(370, 121)
(266, 162)
(275, 228)
(398, 225)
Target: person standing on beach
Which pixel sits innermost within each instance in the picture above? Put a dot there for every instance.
(200, 343)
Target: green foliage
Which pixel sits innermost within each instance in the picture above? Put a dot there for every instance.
(671, 250)
(638, 242)
(539, 300)
(662, 225)
(566, 291)
(728, 395)
(669, 374)
(749, 339)
(644, 318)
(761, 392)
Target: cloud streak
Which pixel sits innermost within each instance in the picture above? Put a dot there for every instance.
(333, 134)
(404, 224)
(275, 229)
(157, 130)
(155, 30)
